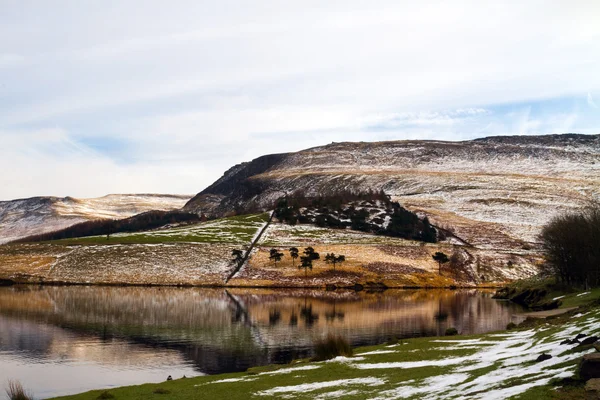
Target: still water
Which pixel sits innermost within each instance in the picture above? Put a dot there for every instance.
(63, 340)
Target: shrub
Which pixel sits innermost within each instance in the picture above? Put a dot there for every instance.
(511, 325)
(451, 332)
(16, 391)
(105, 395)
(392, 341)
(331, 347)
(571, 245)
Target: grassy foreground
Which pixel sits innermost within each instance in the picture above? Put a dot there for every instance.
(498, 365)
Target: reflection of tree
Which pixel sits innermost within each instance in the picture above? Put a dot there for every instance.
(293, 319)
(333, 314)
(307, 314)
(274, 317)
(440, 315)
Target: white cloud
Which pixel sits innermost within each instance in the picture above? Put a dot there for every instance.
(198, 86)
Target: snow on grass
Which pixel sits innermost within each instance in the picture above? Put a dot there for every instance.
(370, 353)
(559, 297)
(336, 394)
(292, 369)
(438, 383)
(583, 294)
(513, 357)
(309, 387)
(230, 380)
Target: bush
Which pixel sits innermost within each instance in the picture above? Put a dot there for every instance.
(16, 391)
(511, 325)
(571, 243)
(331, 347)
(105, 395)
(451, 332)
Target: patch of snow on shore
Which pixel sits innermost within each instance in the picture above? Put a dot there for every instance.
(309, 387)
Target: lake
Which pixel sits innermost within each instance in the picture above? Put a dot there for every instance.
(68, 339)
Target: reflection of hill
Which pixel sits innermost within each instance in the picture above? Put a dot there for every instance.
(226, 331)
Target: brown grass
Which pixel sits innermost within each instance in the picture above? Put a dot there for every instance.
(15, 391)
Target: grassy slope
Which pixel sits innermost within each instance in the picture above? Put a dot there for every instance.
(492, 366)
(238, 229)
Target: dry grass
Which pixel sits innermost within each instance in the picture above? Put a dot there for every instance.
(15, 391)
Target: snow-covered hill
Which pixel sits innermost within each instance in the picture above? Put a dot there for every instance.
(24, 217)
(494, 192)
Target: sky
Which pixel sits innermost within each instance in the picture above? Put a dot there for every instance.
(147, 96)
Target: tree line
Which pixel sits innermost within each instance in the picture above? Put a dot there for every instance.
(306, 260)
(140, 222)
(333, 212)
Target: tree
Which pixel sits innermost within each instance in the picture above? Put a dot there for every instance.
(331, 258)
(306, 263)
(293, 254)
(571, 244)
(238, 256)
(275, 255)
(441, 258)
(310, 252)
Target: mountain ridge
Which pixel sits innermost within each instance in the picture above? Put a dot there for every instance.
(509, 184)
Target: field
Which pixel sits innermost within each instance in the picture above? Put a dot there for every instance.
(236, 230)
(188, 255)
(392, 261)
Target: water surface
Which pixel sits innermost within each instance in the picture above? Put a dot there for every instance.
(62, 340)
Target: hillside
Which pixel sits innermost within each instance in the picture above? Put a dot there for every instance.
(494, 193)
(36, 215)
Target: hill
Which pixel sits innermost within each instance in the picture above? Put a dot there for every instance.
(494, 192)
(37, 215)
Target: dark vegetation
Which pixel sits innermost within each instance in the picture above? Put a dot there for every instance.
(534, 296)
(140, 222)
(363, 211)
(275, 255)
(15, 391)
(331, 347)
(441, 258)
(571, 243)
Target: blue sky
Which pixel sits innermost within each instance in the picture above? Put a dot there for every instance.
(162, 97)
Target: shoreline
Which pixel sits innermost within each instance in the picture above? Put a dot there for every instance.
(328, 287)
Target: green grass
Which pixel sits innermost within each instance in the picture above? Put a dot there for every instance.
(470, 367)
(237, 230)
(568, 296)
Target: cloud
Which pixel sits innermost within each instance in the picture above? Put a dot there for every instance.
(590, 101)
(190, 88)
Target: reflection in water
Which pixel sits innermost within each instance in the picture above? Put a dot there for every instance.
(90, 337)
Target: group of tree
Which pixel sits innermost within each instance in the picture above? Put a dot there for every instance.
(307, 259)
(338, 211)
(571, 243)
(106, 227)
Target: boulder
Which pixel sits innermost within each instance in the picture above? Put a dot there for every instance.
(543, 357)
(589, 368)
(592, 389)
(580, 336)
(589, 340)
